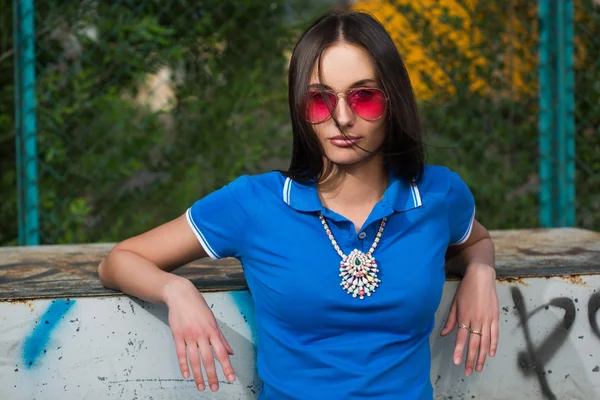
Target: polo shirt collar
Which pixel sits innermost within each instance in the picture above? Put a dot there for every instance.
(400, 195)
(301, 196)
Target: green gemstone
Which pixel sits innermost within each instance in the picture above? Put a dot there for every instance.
(357, 261)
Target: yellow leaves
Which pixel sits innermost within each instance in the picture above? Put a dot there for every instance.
(443, 46)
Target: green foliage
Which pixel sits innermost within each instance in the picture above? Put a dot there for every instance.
(113, 163)
(487, 133)
(587, 114)
(490, 135)
(8, 175)
(497, 158)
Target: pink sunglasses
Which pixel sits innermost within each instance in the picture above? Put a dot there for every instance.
(367, 103)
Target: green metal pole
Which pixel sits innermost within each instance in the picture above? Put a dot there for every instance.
(557, 114)
(545, 119)
(25, 117)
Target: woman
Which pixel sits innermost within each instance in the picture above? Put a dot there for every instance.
(344, 253)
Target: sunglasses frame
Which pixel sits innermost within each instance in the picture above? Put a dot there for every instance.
(346, 94)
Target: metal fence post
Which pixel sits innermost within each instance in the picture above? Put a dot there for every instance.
(25, 121)
(556, 114)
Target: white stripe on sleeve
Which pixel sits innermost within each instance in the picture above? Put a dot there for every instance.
(207, 248)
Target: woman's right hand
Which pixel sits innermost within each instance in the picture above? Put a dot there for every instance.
(140, 266)
(195, 329)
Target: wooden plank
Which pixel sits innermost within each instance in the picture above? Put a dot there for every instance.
(71, 270)
(547, 252)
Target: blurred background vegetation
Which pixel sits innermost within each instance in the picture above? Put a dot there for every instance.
(145, 106)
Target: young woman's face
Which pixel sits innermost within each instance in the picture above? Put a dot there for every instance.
(344, 67)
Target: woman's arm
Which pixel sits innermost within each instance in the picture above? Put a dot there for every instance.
(477, 251)
(141, 266)
(475, 305)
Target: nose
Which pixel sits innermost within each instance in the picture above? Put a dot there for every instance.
(344, 113)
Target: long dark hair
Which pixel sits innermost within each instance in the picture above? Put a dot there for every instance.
(402, 149)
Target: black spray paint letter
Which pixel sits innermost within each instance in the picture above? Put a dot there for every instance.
(533, 359)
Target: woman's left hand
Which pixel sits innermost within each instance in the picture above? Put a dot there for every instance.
(475, 310)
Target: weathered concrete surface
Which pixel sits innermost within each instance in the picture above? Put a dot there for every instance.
(63, 336)
(70, 270)
(111, 348)
(120, 348)
(549, 344)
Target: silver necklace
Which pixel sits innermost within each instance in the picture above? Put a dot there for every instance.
(357, 269)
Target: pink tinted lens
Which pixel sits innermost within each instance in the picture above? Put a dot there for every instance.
(319, 106)
(367, 103)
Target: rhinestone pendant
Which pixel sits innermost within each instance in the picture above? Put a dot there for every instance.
(359, 274)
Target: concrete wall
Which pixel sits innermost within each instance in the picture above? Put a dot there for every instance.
(121, 348)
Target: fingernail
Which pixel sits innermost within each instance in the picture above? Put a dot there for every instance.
(231, 377)
(201, 387)
(479, 368)
(469, 371)
(214, 387)
(492, 353)
(456, 360)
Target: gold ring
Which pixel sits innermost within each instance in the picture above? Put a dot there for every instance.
(464, 326)
(476, 332)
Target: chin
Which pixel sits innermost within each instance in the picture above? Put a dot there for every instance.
(345, 156)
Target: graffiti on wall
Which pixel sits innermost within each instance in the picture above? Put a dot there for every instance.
(532, 360)
(34, 346)
(125, 346)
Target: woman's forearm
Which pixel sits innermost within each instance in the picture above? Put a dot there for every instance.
(479, 253)
(134, 275)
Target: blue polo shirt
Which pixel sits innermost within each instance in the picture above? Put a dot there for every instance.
(315, 341)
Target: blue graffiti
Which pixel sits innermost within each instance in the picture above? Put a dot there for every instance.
(34, 345)
(245, 303)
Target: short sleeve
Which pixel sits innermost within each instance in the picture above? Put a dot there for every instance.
(219, 220)
(461, 210)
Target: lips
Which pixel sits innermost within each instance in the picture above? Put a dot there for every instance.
(345, 137)
(344, 141)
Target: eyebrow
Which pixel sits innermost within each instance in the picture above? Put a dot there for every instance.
(355, 84)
